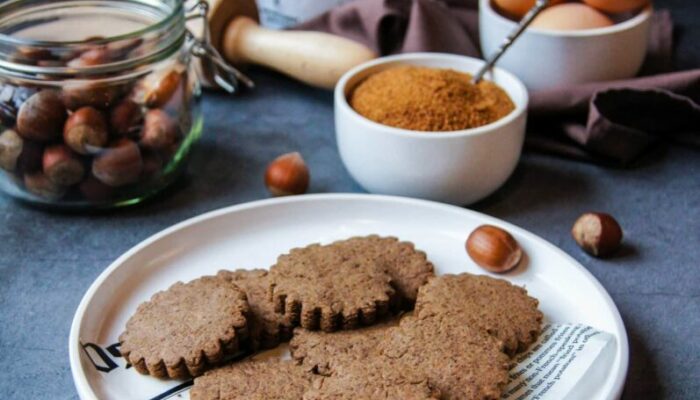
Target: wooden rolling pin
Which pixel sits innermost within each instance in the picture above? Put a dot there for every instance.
(318, 59)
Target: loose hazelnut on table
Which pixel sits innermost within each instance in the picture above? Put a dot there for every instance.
(126, 118)
(62, 166)
(41, 117)
(118, 165)
(40, 185)
(598, 234)
(287, 175)
(493, 249)
(159, 130)
(86, 131)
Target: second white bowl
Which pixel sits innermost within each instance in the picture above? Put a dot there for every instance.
(545, 58)
(458, 167)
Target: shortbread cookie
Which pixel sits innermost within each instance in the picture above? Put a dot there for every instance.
(267, 328)
(186, 329)
(374, 379)
(253, 380)
(494, 305)
(408, 267)
(460, 361)
(321, 287)
(320, 352)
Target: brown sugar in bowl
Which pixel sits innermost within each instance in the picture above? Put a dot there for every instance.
(429, 99)
(458, 167)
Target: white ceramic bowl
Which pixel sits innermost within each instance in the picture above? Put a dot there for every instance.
(545, 58)
(458, 167)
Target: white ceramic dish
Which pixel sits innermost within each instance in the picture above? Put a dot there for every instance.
(252, 235)
(545, 59)
(458, 167)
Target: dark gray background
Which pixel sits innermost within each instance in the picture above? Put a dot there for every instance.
(48, 260)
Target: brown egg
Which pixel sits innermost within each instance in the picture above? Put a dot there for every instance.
(571, 17)
(616, 6)
(518, 8)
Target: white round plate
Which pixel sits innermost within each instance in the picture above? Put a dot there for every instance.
(252, 235)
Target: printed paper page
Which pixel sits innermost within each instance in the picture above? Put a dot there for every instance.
(559, 362)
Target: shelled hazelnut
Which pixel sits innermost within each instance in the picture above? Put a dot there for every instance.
(158, 88)
(179, 99)
(96, 55)
(493, 249)
(287, 175)
(159, 131)
(598, 234)
(40, 185)
(86, 130)
(126, 118)
(41, 117)
(118, 165)
(62, 166)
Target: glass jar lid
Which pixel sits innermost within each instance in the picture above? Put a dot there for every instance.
(40, 38)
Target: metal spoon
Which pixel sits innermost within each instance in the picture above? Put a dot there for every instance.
(510, 39)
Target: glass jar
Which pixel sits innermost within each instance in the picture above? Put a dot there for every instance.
(99, 102)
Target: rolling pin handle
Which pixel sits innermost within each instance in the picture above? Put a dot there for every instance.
(318, 59)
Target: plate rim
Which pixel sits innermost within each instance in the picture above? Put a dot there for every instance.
(85, 391)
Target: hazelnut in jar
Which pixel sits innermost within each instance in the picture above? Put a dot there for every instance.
(99, 103)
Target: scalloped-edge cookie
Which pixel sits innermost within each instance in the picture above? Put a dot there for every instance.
(408, 267)
(494, 305)
(186, 329)
(322, 287)
(267, 328)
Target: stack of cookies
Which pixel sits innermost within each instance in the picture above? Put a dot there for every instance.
(336, 302)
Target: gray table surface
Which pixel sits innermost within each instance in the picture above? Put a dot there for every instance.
(48, 260)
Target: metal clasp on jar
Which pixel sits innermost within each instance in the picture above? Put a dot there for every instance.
(213, 64)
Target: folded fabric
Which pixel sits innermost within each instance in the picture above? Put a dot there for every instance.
(603, 122)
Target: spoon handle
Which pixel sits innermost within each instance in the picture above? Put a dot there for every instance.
(522, 25)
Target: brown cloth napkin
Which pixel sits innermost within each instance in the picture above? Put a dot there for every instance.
(606, 122)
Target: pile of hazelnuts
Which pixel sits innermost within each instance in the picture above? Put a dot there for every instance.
(89, 140)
